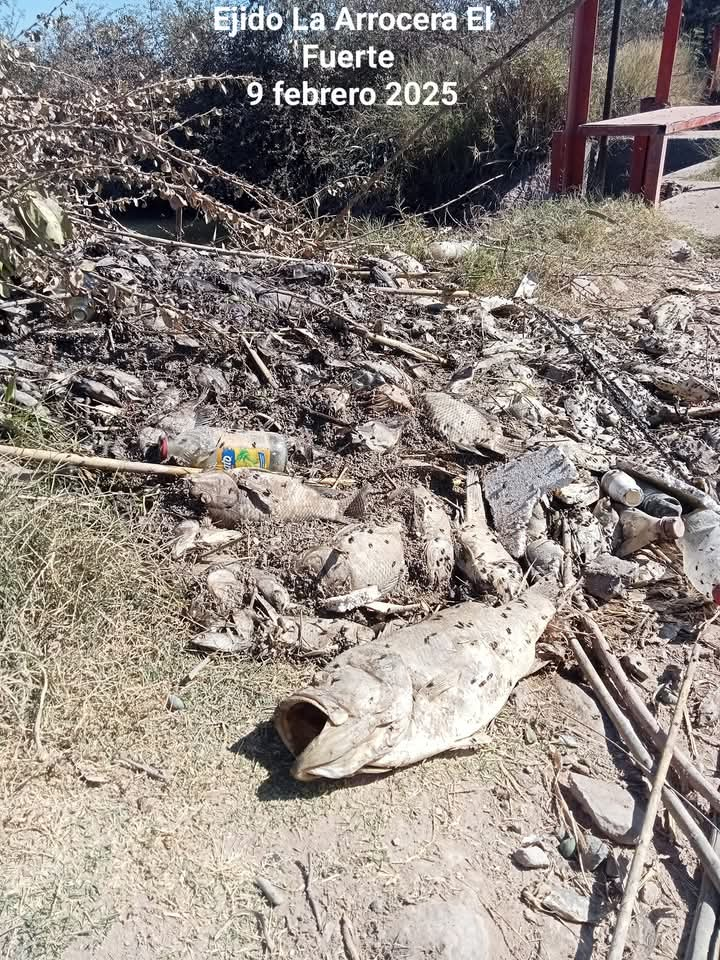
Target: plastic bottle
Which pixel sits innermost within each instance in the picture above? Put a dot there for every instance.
(639, 530)
(621, 487)
(661, 505)
(210, 447)
(701, 552)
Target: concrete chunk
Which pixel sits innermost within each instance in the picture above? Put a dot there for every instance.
(512, 489)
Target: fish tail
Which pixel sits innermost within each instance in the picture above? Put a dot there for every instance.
(358, 505)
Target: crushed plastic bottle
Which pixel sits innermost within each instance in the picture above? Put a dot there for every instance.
(211, 447)
(701, 552)
(661, 505)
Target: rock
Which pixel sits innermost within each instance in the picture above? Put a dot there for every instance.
(531, 858)
(578, 702)
(616, 813)
(596, 854)
(609, 577)
(569, 905)
(680, 250)
(708, 711)
(650, 893)
(585, 290)
(636, 666)
(447, 929)
(567, 848)
(512, 490)
(175, 703)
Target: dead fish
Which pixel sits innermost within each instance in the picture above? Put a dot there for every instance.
(377, 436)
(670, 312)
(417, 692)
(191, 536)
(237, 640)
(270, 588)
(546, 559)
(480, 555)
(432, 527)
(463, 426)
(233, 497)
(358, 557)
(317, 636)
(225, 589)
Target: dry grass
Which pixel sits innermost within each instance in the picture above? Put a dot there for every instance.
(558, 240)
(104, 861)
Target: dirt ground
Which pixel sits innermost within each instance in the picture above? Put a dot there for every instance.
(152, 845)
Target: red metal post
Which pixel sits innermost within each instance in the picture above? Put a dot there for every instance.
(671, 34)
(654, 163)
(557, 162)
(578, 106)
(638, 158)
(714, 59)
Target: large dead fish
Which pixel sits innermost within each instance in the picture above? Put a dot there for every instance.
(465, 427)
(480, 555)
(432, 526)
(425, 689)
(242, 496)
(358, 557)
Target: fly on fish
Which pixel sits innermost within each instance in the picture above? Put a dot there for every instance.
(249, 496)
(426, 689)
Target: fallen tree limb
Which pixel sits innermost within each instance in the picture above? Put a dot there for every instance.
(696, 838)
(95, 463)
(617, 947)
(429, 292)
(633, 701)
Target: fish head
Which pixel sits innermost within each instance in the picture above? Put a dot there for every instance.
(356, 710)
(214, 489)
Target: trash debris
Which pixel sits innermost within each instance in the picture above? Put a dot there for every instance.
(428, 688)
(622, 488)
(377, 436)
(638, 530)
(208, 447)
(242, 496)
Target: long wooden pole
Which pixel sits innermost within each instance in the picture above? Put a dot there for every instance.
(95, 463)
(617, 947)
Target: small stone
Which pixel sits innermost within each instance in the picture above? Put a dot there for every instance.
(609, 577)
(567, 848)
(680, 250)
(636, 666)
(650, 893)
(531, 858)
(570, 906)
(530, 735)
(596, 854)
(175, 703)
(615, 811)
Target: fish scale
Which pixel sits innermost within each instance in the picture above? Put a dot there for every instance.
(240, 496)
(432, 525)
(425, 689)
(465, 427)
(360, 557)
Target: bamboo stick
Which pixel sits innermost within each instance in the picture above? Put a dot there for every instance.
(617, 947)
(95, 463)
(696, 838)
(633, 701)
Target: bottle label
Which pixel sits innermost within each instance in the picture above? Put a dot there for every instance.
(230, 457)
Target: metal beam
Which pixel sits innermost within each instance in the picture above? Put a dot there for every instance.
(671, 35)
(578, 106)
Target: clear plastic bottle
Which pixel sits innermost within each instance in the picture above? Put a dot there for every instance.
(701, 552)
(209, 447)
